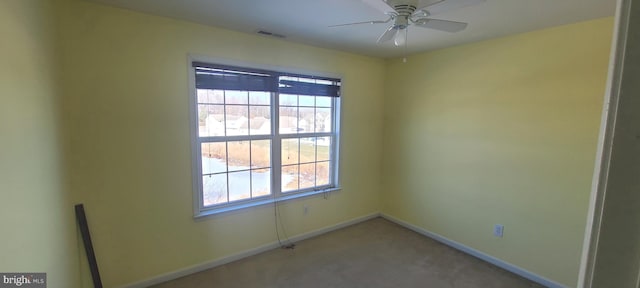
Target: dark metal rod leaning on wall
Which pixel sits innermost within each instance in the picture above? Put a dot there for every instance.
(88, 246)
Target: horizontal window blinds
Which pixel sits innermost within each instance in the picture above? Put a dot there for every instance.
(222, 77)
(304, 88)
(231, 78)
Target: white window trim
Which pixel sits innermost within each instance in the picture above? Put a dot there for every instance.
(198, 207)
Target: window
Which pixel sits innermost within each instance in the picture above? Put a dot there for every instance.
(260, 135)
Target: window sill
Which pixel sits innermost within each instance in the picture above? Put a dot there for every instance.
(266, 201)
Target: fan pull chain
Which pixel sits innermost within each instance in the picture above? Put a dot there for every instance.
(406, 42)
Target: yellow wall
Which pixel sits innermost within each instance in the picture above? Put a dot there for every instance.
(36, 221)
(128, 148)
(500, 132)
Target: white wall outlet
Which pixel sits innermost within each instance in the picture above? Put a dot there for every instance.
(305, 209)
(498, 230)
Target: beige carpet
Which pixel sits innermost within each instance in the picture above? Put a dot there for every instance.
(375, 253)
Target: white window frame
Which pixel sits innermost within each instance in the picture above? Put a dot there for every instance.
(276, 194)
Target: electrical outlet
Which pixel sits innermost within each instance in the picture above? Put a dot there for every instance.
(498, 230)
(305, 209)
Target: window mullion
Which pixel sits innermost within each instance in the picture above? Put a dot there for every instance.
(315, 147)
(335, 148)
(306, 135)
(250, 147)
(298, 134)
(250, 170)
(198, 149)
(226, 145)
(276, 149)
(235, 138)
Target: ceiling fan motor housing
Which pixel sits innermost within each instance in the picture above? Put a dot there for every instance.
(404, 13)
(404, 9)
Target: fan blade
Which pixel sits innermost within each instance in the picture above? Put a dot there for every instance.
(442, 25)
(379, 5)
(446, 5)
(366, 22)
(388, 35)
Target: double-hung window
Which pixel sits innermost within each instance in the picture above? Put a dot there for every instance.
(261, 135)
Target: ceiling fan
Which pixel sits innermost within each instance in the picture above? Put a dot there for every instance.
(404, 13)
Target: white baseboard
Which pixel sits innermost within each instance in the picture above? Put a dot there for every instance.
(468, 250)
(224, 260)
(234, 257)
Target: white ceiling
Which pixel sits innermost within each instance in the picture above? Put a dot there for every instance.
(307, 21)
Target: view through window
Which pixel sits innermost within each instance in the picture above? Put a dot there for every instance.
(263, 134)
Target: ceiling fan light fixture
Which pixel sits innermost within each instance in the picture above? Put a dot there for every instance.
(401, 37)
